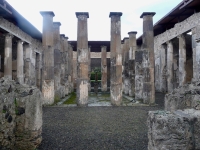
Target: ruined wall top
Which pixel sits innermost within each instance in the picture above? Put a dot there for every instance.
(115, 14)
(82, 14)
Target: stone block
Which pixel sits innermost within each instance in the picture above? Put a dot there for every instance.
(173, 131)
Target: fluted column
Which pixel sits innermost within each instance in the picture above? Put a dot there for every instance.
(131, 63)
(103, 69)
(163, 69)
(115, 59)
(182, 60)
(82, 60)
(8, 56)
(148, 46)
(194, 54)
(169, 66)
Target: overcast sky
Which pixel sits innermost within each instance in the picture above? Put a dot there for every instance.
(98, 21)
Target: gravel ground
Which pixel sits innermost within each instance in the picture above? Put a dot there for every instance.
(96, 128)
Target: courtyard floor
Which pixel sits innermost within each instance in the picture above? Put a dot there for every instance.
(97, 128)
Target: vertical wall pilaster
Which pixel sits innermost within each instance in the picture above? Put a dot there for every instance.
(8, 56)
(115, 59)
(169, 66)
(103, 69)
(182, 60)
(131, 63)
(82, 59)
(48, 57)
(148, 46)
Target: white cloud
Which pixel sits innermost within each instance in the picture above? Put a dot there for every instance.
(99, 21)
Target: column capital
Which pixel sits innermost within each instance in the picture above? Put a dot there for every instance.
(8, 35)
(20, 41)
(181, 36)
(147, 14)
(56, 24)
(169, 42)
(132, 32)
(66, 38)
(126, 38)
(44, 13)
(194, 30)
(82, 14)
(115, 14)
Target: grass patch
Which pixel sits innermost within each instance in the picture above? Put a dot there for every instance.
(71, 99)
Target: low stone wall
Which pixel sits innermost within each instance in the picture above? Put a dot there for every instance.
(186, 96)
(173, 131)
(20, 116)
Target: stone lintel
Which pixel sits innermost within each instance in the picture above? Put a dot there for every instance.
(115, 14)
(47, 13)
(56, 24)
(82, 13)
(147, 14)
(132, 32)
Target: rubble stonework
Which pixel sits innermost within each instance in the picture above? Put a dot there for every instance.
(20, 115)
(174, 130)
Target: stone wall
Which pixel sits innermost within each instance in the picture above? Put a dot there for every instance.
(20, 116)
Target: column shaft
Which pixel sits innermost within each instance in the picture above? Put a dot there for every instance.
(126, 69)
(115, 59)
(169, 66)
(48, 58)
(163, 69)
(131, 63)
(20, 62)
(194, 54)
(182, 60)
(148, 46)
(89, 69)
(103, 69)
(8, 56)
(82, 60)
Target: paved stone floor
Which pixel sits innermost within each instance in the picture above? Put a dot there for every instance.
(96, 128)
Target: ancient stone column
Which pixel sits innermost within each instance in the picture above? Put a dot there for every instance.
(115, 59)
(20, 62)
(66, 68)
(126, 80)
(103, 69)
(8, 56)
(89, 68)
(194, 55)
(38, 68)
(197, 39)
(72, 68)
(169, 66)
(148, 46)
(57, 59)
(82, 60)
(182, 60)
(27, 66)
(48, 57)
(163, 69)
(131, 63)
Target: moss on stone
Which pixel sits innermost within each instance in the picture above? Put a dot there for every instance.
(71, 99)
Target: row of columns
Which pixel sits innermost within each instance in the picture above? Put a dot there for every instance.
(25, 74)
